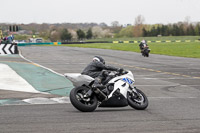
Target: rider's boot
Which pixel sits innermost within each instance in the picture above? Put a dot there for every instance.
(97, 83)
(106, 91)
(98, 87)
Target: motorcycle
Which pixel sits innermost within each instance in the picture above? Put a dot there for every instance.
(120, 92)
(145, 52)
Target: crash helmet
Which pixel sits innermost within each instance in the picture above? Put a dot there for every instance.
(143, 41)
(99, 58)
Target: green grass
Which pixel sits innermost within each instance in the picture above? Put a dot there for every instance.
(162, 38)
(183, 49)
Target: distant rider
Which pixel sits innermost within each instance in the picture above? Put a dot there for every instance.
(143, 44)
(8, 40)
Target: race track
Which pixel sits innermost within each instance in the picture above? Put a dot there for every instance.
(172, 85)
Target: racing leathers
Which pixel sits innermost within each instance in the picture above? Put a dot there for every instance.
(99, 71)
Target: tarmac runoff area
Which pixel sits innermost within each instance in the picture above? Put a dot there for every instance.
(25, 82)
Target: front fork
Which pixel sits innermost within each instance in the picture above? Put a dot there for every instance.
(133, 90)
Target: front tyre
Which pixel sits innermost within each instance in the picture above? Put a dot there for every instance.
(139, 101)
(147, 54)
(84, 104)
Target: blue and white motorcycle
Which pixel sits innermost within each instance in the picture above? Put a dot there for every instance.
(120, 92)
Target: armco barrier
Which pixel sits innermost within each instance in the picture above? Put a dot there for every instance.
(8, 49)
(29, 44)
(83, 42)
(158, 41)
(43, 43)
(86, 42)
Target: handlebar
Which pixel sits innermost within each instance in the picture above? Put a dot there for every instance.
(121, 73)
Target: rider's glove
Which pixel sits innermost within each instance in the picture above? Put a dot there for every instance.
(120, 70)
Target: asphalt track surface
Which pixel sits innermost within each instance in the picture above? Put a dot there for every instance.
(172, 85)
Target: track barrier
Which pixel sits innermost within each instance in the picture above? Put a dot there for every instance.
(158, 41)
(8, 49)
(115, 42)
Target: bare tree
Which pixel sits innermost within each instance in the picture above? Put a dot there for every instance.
(186, 24)
(116, 27)
(139, 20)
(98, 32)
(54, 36)
(138, 26)
(73, 33)
(115, 24)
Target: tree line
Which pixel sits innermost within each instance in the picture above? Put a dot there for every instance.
(179, 29)
(176, 29)
(139, 29)
(81, 31)
(64, 35)
(59, 31)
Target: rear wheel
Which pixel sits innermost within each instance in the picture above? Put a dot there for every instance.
(84, 104)
(139, 101)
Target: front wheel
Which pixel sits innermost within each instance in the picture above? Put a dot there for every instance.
(147, 54)
(82, 103)
(139, 101)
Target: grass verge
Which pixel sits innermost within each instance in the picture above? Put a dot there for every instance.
(182, 49)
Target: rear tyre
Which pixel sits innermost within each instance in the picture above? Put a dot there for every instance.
(139, 102)
(84, 104)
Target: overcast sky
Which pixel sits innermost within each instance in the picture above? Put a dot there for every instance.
(87, 11)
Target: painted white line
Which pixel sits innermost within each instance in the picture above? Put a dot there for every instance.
(159, 85)
(41, 100)
(39, 64)
(168, 85)
(163, 78)
(10, 80)
(172, 97)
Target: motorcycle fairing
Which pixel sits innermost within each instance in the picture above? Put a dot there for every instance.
(122, 82)
(78, 79)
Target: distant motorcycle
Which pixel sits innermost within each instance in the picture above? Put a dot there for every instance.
(121, 92)
(145, 51)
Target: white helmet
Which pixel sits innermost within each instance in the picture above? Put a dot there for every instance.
(143, 41)
(98, 58)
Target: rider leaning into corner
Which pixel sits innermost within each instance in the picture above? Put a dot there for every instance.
(98, 70)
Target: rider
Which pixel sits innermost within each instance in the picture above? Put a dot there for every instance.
(143, 44)
(10, 38)
(4, 40)
(98, 70)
